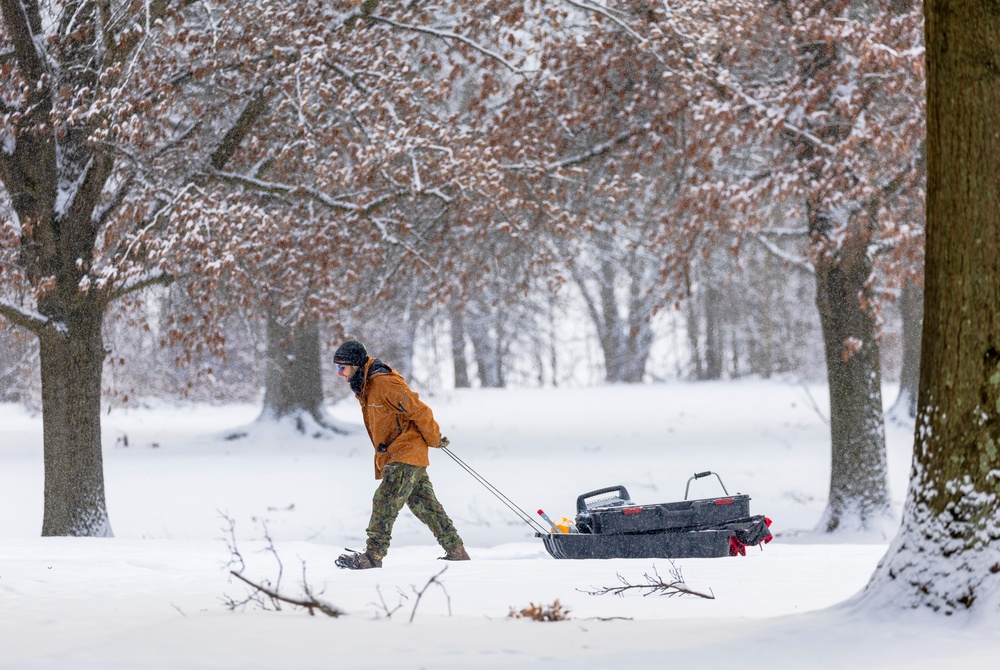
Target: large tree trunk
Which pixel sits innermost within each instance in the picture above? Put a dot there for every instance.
(946, 556)
(911, 307)
(859, 496)
(293, 383)
(72, 358)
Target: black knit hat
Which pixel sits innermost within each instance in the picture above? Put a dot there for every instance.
(351, 352)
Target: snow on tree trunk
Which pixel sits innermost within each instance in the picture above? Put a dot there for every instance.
(72, 357)
(859, 495)
(946, 556)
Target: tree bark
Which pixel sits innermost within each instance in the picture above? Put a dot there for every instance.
(859, 495)
(946, 556)
(293, 383)
(72, 357)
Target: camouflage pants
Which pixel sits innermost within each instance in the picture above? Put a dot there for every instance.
(404, 484)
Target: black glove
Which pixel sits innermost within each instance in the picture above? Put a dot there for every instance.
(444, 443)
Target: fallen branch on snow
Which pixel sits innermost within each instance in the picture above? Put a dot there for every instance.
(654, 585)
(310, 602)
(264, 595)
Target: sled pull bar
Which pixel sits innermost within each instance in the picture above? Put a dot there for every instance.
(508, 503)
(699, 475)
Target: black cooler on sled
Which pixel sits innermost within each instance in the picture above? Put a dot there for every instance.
(610, 525)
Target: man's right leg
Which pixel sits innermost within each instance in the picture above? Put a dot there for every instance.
(426, 507)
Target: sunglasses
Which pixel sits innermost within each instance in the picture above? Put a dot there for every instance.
(340, 368)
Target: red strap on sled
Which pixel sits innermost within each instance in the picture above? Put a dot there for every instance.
(738, 548)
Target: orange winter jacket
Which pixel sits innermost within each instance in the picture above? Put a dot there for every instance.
(400, 425)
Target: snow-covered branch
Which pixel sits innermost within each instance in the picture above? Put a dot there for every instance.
(782, 255)
(353, 77)
(279, 188)
(606, 13)
(27, 45)
(335, 204)
(793, 233)
(593, 152)
(454, 37)
(103, 213)
(142, 282)
(24, 318)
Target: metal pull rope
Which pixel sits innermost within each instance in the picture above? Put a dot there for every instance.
(524, 516)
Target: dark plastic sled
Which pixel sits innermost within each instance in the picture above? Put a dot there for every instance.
(610, 525)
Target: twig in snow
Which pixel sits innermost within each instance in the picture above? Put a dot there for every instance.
(310, 602)
(420, 593)
(385, 607)
(235, 558)
(654, 585)
(265, 595)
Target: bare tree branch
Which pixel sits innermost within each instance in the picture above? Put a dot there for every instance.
(654, 585)
(606, 13)
(420, 593)
(593, 152)
(248, 118)
(385, 607)
(310, 602)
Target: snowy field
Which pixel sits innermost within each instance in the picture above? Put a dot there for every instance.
(155, 595)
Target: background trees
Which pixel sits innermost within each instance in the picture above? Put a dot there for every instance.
(558, 191)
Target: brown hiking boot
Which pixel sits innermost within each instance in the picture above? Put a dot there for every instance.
(456, 554)
(357, 561)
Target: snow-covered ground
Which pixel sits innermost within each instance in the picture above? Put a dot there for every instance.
(155, 595)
